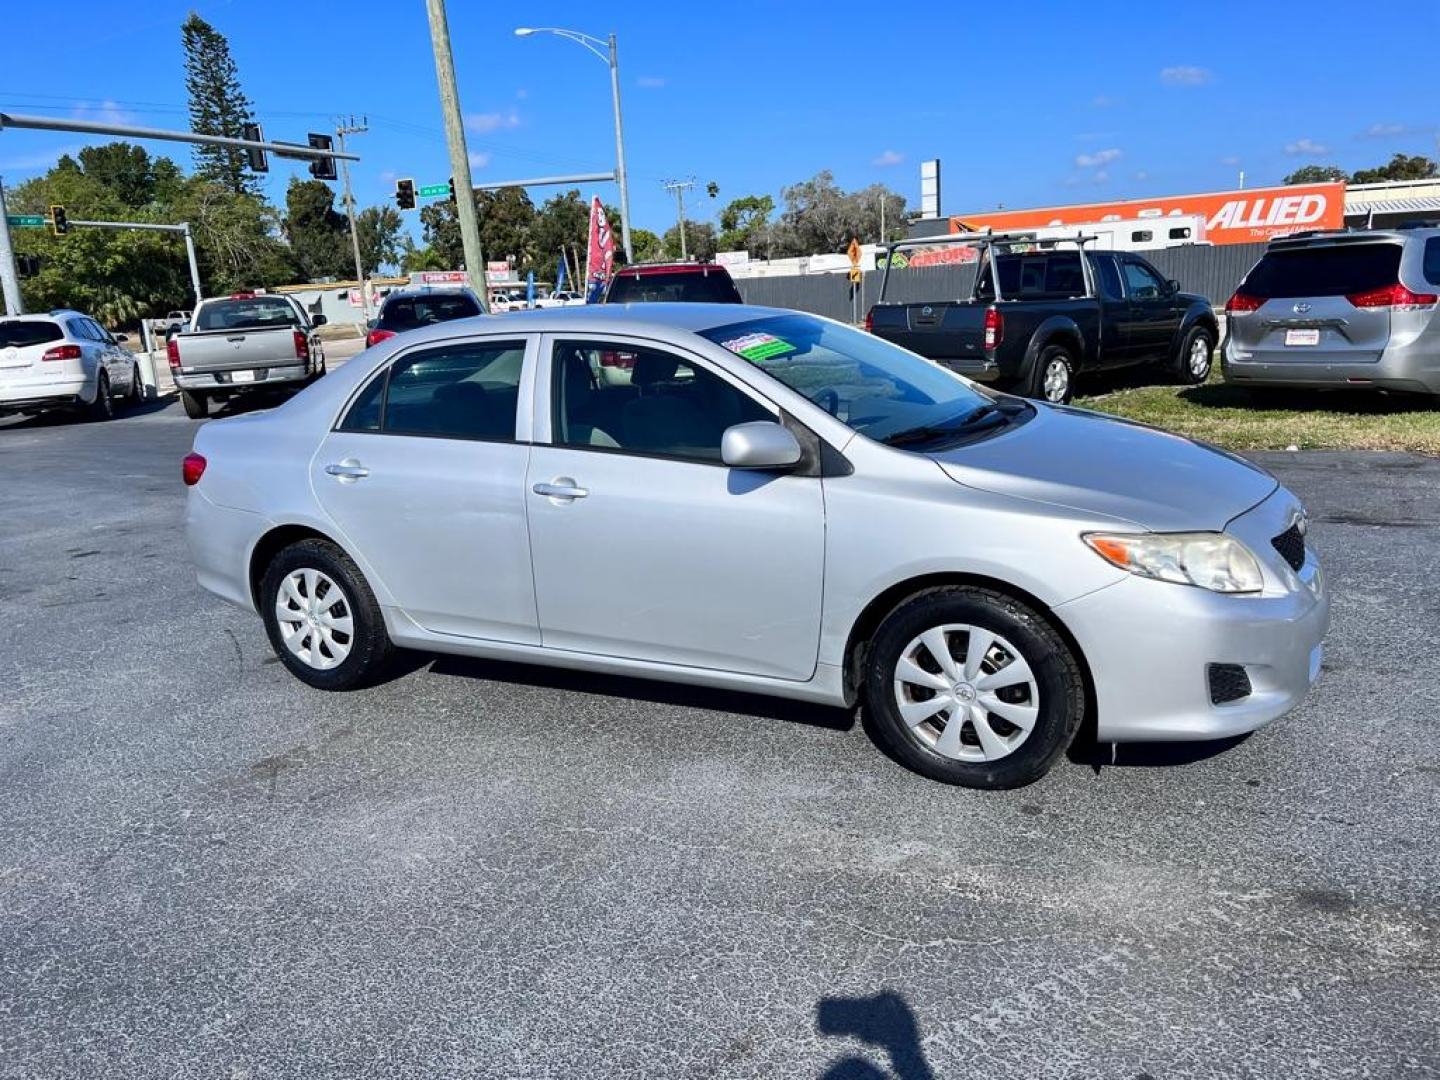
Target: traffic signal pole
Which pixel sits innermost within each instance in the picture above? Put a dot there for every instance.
(9, 279)
(183, 228)
(341, 131)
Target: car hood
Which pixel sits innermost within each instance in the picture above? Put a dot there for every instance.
(1103, 465)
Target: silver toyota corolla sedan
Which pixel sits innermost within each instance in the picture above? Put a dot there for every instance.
(768, 501)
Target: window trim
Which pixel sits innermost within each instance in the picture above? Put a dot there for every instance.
(527, 343)
(545, 434)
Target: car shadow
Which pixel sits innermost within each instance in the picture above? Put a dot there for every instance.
(1223, 395)
(884, 1021)
(634, 689)
(1086, 750)
(67, 416)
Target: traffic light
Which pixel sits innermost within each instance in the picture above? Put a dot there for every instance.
(322, 168)
(451, 196)
(59, 223)
(257, 159)
(712, 189)
(405, 194)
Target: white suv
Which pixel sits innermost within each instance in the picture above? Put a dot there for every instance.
(64, 359)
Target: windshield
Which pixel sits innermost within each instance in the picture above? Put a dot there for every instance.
(251, 313)
(877, 388)
(680, 286)
(408, 312)
(1338, 270)
(17, 333)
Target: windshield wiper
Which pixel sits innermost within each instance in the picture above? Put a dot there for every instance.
(931, 432)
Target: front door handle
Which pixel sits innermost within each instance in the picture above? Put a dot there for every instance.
(562, 487)
(348, 470)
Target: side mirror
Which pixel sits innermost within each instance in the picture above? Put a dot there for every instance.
(121, 339)
(761, 444)
(317, 320)
(1173, 286)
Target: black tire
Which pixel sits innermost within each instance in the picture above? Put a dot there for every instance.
(197, 406)
(1055, 672)
(1061, 389)
(136, 397)
(369, 646)
(103, 407)
(1182, 369)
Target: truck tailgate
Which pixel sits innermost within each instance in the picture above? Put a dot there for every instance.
(944, 330)
(234, 350)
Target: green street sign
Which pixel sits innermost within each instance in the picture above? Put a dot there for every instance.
(30, 221)
(430, 190)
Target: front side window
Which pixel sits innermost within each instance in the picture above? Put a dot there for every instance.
(647, 401)
(1143, 284)
(79, 330)
(464, 391)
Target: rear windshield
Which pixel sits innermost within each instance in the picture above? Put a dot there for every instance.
(13, 332)
(255, 313)
(685, 286)
(1052, 275)
(409, 312)
(1324, 271)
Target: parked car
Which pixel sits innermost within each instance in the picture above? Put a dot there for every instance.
(410, 310)
(1339, 309)
(775, 503)
(64, 360)
(561, 298)
(691, 283)
(1035, 316)
(242, 343)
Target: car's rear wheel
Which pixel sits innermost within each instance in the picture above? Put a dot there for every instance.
(1053, 377)
(322, 619)
(197, 406)
(103, 407)
(1193, 362)
(972, 687)
(136, 396)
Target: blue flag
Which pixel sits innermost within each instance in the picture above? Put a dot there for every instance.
(530, 289)
(560, 274)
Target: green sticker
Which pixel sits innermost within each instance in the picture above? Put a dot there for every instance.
(757, 347)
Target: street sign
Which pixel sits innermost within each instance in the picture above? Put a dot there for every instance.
(854, 252)
(429, 191)
(26, 221)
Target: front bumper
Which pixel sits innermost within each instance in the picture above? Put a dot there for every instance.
(1150, 644)
(223, 381)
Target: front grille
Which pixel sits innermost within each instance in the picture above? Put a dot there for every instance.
(1291, 546)
(1228, 682)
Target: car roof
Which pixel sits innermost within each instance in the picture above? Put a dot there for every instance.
(609, 319)
(1343, 237)
(642, 269)
(44, 316)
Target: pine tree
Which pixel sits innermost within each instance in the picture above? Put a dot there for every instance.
(217, 105)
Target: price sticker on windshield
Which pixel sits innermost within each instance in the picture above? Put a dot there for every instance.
(757, 347)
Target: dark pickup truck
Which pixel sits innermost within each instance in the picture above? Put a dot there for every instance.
(1029, 314)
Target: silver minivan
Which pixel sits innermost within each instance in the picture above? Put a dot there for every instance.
(1339, 309)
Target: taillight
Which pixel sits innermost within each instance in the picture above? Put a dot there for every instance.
(191, 469)
(62, 352)
(625, 361)
(172, 354)
(1243, 302)
(1395, 297)
(994, 327)
(375, 337)
(870, 321)
(302, 345)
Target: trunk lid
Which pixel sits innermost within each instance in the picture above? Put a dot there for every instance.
(236, 350)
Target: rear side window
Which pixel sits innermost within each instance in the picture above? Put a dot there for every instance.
(408, 312)
(466, 391)
(1324, 271)
(1109, 277)
(15, 333)
(255, 313)
(685, 286)
(1432, 260)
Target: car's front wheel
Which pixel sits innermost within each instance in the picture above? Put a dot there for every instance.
(972, 687)
(323, 621)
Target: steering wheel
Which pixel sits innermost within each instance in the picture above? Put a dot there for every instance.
(828, 399)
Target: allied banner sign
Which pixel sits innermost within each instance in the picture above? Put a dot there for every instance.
(1243, 216)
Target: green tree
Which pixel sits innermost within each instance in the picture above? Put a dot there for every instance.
(414, 259)
(648, 245)
(819, 217)
(563, 221)
(507, 220)
(125, 170)
(378, 229)
(1399, 167)
(440, 227)
(238, 239)
(217, 105)
(317, 232)
(699, 240)
(745, 224)
(1315, 174)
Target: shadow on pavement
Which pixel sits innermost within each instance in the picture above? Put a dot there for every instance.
(885, 1022)
(1086, 751)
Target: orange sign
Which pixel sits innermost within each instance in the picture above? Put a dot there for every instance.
(1244, 216)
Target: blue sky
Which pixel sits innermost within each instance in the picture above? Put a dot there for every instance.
(1107, 100)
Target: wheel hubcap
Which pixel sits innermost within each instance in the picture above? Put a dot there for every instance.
(1200, 357)
(966, 693)
(315, 620)
(1057, 380)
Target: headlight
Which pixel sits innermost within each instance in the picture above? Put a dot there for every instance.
(1211, 560)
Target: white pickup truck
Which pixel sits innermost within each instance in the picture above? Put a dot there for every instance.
(241, 343)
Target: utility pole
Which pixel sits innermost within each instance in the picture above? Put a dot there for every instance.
(679, 187)
(9, 279)
(459, 155)
(342, 128)
(620, 174)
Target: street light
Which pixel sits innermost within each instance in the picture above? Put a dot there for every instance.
(605, 50)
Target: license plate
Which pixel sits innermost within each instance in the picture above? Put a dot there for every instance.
(1302, 337)
(242, 376)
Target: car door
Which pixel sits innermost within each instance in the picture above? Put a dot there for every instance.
(1116, 349)
(116, 356)
(1153, 315)
(645, 545)
(424, 478)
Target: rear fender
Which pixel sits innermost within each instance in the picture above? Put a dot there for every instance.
(1057, 330)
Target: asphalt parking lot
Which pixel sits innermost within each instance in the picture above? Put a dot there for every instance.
(208, 869)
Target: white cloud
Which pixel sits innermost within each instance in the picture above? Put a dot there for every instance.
(522, 94)
(1307, 148)
(1185, 75)
(889, 157)
(388, 176)
(1142, 175)
(106, 112)
(485, 123)
(1099, 157)
(1101, 177)
(1384, 131)
(478, 160)
(650, 82)
(1103, 101)
(1230, 160)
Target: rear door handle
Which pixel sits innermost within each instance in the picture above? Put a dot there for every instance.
(348, 470)
(562, 487)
